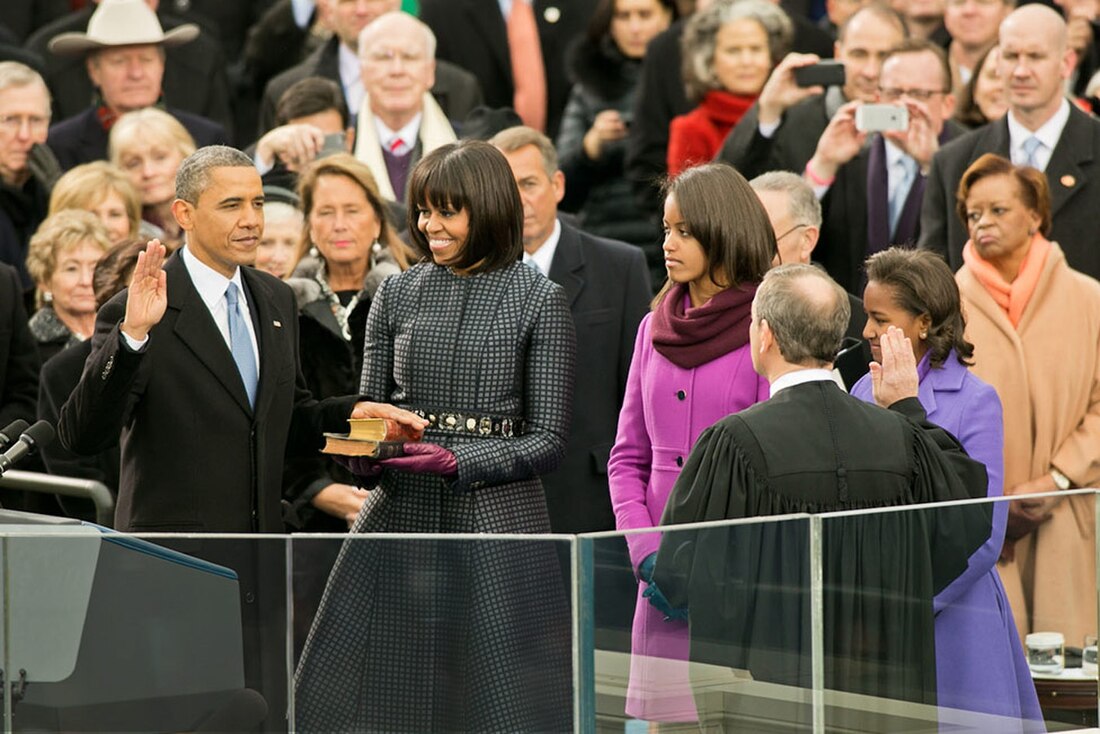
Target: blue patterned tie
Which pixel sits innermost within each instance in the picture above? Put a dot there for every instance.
(1029, 147)
(240, 344)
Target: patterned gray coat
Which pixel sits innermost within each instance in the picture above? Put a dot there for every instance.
(450, 635)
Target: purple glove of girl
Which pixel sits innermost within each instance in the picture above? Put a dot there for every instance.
(424, 458)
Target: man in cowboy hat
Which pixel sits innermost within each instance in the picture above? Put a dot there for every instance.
(125, 59)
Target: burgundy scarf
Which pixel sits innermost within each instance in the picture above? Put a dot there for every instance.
(689, 337)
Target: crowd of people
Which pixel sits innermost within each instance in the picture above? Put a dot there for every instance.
(616, 259)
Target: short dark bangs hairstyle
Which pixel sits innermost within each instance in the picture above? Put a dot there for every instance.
(475, 176)
(725, 216)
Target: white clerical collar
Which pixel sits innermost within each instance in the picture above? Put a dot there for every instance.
(799, 377)
(210, 284)
(350, 76)
(1048, 133)
(544, 256)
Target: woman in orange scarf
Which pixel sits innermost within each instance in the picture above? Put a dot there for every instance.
(1035, 325)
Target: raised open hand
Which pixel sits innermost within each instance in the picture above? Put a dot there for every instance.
(147, 298)
(781, 91)
(896, 378)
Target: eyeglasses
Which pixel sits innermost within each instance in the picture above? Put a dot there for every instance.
(892, 94)
(789, 231)
(12, 124)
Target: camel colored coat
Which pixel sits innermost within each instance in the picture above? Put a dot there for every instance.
(1047, 373)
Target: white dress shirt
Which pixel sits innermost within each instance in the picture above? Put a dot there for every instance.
(544, 256)
(408, 134)
(351, 77)
(1048, 134)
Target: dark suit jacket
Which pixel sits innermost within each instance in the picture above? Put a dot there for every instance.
(472, 34)
(1073, 174)
(60, 374)
(195, 456)
(195, 77)
(856, 214)
(607, 285)
(82, 139)
(18, 356)
(789, 149)
(456, 90)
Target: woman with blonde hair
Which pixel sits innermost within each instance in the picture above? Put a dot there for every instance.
(148, 146)
(103, 190)
(61, 259)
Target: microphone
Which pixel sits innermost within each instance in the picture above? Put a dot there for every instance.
(847, 344)
(37, 436)
(12, 431)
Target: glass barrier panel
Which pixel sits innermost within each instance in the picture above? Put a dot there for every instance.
(711, 633)
(433, 633)
(112, 632)
(965, 617)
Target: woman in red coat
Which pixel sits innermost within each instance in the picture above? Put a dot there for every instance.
(729, 50)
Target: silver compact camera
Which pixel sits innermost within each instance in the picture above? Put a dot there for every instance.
(877, 118)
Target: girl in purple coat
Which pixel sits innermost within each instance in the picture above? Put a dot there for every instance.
(980, 663)
(691, 367)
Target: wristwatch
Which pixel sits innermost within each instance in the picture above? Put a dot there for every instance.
(1061, 481)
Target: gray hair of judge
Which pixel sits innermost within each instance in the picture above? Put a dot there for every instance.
(193, 175)
(701, 38)
(14, 74)
(376, 30)
(807, 320)
(802, 205)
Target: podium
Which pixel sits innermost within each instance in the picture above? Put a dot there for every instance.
(104, 632)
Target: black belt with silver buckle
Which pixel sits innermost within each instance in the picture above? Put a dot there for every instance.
(474, 425)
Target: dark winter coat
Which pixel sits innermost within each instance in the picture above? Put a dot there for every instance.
(597, 189)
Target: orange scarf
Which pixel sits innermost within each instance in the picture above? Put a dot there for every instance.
(1012, 297)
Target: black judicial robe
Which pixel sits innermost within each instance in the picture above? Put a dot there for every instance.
(812, 448)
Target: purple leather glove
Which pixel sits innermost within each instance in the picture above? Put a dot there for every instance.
(366, 471)
(424, 458)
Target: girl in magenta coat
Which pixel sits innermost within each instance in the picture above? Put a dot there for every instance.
(691, 367)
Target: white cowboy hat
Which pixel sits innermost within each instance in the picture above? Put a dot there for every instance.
(122, 23)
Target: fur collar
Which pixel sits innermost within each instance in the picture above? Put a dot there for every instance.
(307, 288)
(602, 69)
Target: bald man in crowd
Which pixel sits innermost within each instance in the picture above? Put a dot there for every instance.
(1041, 129)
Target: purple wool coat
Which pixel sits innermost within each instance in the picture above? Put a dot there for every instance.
(664, 410)
(980, 662)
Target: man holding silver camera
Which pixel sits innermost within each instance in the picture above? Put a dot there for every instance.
(870, 164)
(779, 131)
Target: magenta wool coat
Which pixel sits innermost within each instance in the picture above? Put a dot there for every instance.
(665, 409)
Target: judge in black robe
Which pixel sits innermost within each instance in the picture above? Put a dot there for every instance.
(812, 448)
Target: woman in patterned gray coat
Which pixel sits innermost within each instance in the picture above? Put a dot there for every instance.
(466, 635)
